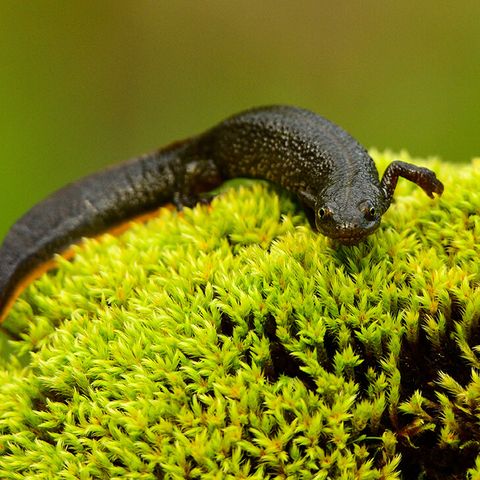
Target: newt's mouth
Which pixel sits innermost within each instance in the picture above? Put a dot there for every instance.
(352, 237)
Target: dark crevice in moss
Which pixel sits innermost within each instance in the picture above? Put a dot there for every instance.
(40, 403)
(226, 325)
(419, 365)
(292, 325)
(330, 347)
(432, 463)
(282, 362)
(158, 472)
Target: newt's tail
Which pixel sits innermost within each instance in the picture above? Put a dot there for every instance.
(85, 208)
(14, 282)
(6, 283)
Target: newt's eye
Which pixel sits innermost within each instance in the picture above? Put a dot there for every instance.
(323, 213)
(370, 212)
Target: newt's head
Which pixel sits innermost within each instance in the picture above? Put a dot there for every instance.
(349, 221)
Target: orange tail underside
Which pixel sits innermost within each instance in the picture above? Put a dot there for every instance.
(68, 254)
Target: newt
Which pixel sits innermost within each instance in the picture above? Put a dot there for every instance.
(331, 174)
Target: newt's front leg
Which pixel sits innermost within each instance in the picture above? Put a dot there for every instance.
(423, 177)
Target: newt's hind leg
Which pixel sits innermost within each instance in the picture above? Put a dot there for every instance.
(199, 176)
(423, 177)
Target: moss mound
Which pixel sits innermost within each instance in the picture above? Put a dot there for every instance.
(233, 342)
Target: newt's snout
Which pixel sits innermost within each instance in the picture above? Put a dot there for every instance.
(348, 228)
(351, 234)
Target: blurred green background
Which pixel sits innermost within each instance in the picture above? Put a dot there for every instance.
(85, 83)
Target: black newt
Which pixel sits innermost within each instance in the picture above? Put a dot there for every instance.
(331, 174)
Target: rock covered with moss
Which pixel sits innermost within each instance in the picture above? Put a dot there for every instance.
(231, 341)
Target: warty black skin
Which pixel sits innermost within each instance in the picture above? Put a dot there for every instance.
(332, 175)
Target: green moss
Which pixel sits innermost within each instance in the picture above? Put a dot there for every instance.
(233, 342)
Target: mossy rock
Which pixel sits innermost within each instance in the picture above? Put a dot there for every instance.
(231, 341)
